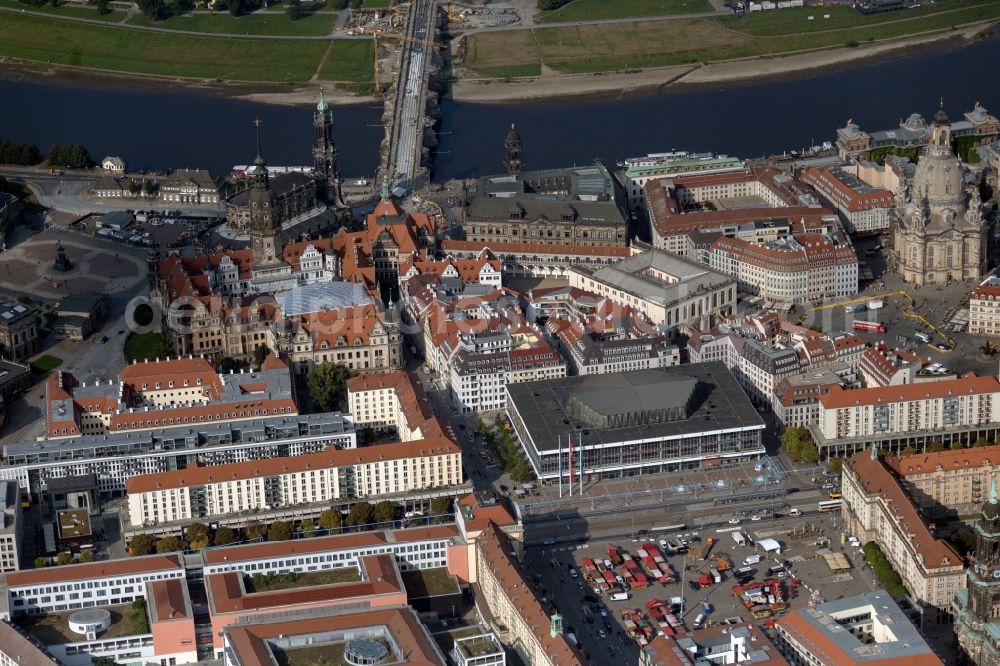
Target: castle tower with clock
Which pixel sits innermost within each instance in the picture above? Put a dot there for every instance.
(977, 607)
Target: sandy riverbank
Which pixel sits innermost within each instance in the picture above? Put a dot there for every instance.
(554, 86)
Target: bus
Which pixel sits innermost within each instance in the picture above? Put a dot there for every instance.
(876, 326)
(826, 506)
(834, 494)
(669, 528)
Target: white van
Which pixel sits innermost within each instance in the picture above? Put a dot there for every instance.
(751, 559)
(922, 337)
(794, 512)
(699, 621)
(620, 596)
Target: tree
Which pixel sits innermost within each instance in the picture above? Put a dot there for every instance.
(87, 556)
(835, 465)
(104, 661)
(935, 447)
(329, 519)
(294, 10)
(360, 514)
(151, 8)
(328, 386)
(142, 544)
(137, 616)
(64, 558)
(170, 544)
(259, 354)
(441, 506)
(228, 364)
(76, 156)
(54, 155)
(41, 562)
(235, 7)
(133, 187)
(957, 444)
(255, 530)
(149, 187)
(520, 471)
(384, 512)
(308, 526)
(908, 451)
(197, 535)
(982, 441)
(989, 349)
(102, 7)
(367, 436)
(280, 530)
(226, 535)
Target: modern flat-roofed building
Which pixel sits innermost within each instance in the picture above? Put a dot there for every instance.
(877, 508)
(115, 457)
(917, 415)
(637, 171)
(394, 635)
(646, 421)
(720, 644)
(382, 470)
(868, 629)
(666, 288)
(12, 530)
(104, 583)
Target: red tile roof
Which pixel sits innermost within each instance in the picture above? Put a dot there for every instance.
(94, 570)
(968, 384)
(252, 469)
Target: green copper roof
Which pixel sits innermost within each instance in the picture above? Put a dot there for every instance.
(385, 189)
(322, 102)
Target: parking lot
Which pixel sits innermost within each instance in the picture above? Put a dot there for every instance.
(805, 572)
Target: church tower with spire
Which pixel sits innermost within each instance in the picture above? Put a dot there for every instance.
(977, 606)
(325, 155)
(263, 231)
(513, 153)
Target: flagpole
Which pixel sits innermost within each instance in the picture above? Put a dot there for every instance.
(559, 444)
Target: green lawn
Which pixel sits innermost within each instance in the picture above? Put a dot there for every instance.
(141, 52)
(428, 582)
(45, 364)
(375, 4)
(636, 45)
(796, 20)
(588, 10)
(143, 346)
(271, 22)
(74, 11)
(272, 582)
(349, 60)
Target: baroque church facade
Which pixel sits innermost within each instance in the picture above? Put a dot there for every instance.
(940, 233)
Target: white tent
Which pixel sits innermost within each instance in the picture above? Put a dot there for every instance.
(769, 545)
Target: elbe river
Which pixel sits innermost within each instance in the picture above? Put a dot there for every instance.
(164, 129)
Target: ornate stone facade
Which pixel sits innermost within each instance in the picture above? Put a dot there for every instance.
(940, 234)
(977, 606)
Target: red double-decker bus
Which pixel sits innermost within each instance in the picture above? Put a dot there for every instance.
(861, 325)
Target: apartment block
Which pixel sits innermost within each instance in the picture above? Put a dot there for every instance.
(534, 260)
(962, 409)
(205, 492)
(392, 399)
(596, 345)
(862, 208)
(12, 529)
(638, 171)
(877, 508)
(947, 484)
(984, 308)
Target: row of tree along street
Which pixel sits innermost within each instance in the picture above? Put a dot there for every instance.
(362, 516)
(25, 153)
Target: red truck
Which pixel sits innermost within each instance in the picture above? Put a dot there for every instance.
(614, 555)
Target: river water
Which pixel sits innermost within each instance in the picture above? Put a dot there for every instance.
(164, 129)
